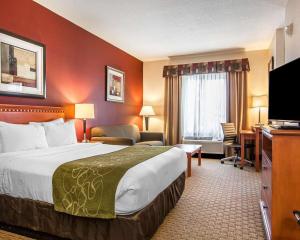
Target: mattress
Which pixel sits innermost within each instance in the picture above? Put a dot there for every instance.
(28, 174)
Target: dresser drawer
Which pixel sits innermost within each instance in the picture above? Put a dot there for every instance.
(265, 197)
(266, 181)
(266, 218)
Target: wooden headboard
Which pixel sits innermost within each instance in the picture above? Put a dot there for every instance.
(25, 114)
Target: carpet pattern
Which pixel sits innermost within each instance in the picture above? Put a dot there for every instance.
(219, 202)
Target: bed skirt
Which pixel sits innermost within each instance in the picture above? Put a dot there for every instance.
(41, 217)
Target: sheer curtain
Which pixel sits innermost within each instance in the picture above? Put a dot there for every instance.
(203, 105)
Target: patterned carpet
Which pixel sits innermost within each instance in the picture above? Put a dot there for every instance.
(219, 202)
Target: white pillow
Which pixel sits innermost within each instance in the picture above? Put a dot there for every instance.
(61, 134)
(21, 137)
(1, 124)
(56, 121)
(5, 123)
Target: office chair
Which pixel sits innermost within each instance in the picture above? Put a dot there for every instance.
(230, 141)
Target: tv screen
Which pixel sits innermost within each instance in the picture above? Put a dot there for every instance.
(284, 92)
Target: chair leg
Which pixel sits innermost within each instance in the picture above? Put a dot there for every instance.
(236, 160)
(227, 159)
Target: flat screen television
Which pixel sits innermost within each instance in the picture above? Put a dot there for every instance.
(284, 92)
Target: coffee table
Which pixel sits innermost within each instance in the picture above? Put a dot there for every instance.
(190, 150)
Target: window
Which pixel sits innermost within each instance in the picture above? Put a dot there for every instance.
(203, 105)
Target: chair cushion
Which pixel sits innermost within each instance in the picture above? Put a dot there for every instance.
(151, 143)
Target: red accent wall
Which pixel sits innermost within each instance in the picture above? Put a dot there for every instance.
(75, 63)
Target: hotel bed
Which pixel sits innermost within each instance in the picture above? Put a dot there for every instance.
(144, 195)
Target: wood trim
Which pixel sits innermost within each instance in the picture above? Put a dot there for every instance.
(20, 114)
(25, 108)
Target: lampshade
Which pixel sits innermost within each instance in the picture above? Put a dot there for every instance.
(84, 111)
(147, 111)
(259, 101)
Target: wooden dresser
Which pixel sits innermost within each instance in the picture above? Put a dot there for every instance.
(280, 192)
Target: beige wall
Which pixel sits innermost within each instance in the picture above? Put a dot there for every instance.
(277, 48)
(154, 82)
(283, 47)
(286, 47)
(153, 92)
(292, 42)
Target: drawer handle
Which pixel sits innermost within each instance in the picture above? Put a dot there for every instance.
(265, 206)
(265, 187)
(297, 216)
(265, 168)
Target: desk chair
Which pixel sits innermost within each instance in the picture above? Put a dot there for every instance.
(230, 142)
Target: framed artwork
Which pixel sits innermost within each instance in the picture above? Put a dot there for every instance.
(115, 85)
(22, 66)
(271, 64)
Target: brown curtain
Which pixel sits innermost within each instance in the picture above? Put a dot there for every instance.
(172, 110)
(237, 91)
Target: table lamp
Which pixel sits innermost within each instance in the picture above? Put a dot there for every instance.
(84, 111)
(259, 102)
(147, 111)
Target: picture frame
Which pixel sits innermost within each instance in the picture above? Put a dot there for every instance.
(115, 85)
(22, 66)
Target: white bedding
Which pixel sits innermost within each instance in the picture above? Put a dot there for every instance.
(28, 174)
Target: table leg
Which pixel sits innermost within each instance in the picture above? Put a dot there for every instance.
(189, 165)
(242, 150)
(199, 157)
(257, 148)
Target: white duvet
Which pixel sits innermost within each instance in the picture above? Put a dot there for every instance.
(28, 174)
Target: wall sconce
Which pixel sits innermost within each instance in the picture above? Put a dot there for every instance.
(289, 29)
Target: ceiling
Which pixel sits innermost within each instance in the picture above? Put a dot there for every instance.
(156, 29)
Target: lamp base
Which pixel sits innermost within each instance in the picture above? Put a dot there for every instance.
(147, 123)
(85, 140)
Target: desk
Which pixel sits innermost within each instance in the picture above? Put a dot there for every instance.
(254, 134)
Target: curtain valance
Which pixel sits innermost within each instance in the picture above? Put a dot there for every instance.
(237, 65)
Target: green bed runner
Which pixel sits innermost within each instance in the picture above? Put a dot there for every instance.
(87, 187)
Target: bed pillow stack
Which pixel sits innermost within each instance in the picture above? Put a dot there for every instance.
(20, 137)
(36, 135)
(60, 134)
